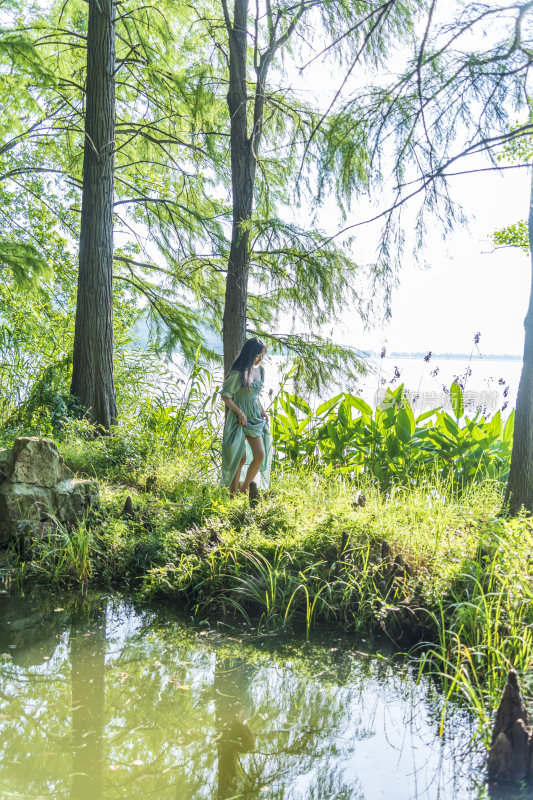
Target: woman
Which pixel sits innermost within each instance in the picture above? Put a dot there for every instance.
(247, 421)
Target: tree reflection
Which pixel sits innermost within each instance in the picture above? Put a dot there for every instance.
(188, 715)
(235, 735)
(87, 658)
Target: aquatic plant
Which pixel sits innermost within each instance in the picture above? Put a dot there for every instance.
(345, 435)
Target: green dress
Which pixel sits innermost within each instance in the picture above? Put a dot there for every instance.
(234, 442)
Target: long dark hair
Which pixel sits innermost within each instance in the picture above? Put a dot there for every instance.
(244, 361)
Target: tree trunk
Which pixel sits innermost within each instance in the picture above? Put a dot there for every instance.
(520, 484)
(243, 176)
(92, 375)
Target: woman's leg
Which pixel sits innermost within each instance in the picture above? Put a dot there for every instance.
(234, 485)
(258, 454)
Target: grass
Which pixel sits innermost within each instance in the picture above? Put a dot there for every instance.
(443, 577)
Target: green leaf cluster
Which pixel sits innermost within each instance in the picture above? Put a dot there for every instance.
(389, 444)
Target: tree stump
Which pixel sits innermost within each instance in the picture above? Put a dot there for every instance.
(510, 753)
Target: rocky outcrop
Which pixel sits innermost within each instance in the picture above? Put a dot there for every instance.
(37, 488)
(511, 752)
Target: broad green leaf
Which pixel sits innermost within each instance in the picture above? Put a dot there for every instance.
(358, 403)
(300, 403)
(393, 445)
(509, 428)
(304, 423)
(449, 424)
(494, 427)
(477, 433)
(285, 403)
(426, 415)
(456, 396)
(332, 431)
(404, 425)
(344, 414)
(327, 405)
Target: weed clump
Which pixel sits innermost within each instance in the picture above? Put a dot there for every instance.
(433, 568)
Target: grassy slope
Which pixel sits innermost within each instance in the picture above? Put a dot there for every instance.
(444, 576)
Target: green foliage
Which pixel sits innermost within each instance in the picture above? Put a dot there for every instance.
(316, 361)
(518, 150)
(173, 171)
(36, 338)
(345, 436)
(484, 621)
(515, 235)
(421, 564)
(452, 99)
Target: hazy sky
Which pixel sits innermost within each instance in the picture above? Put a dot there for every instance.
(470, 286)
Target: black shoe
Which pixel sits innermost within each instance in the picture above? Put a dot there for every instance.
(253, 494)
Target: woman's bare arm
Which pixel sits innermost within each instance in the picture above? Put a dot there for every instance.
(230, 404)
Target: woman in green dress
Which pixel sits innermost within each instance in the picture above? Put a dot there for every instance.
(246, 422)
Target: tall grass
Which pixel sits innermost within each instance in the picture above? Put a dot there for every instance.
(432, 568)
(66, 555)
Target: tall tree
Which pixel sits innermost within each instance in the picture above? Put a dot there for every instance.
(255, 41)
(519, 491)
(245, 143)
(172, 161)
(92, 372)
(520, 483)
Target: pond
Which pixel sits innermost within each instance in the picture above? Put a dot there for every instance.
(106, 700)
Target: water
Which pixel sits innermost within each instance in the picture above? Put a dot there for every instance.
(490, 384)
(116, 702)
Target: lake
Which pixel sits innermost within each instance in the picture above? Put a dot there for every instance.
(490, 384)
(108, 700)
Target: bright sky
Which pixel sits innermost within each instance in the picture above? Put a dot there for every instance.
(470, 286)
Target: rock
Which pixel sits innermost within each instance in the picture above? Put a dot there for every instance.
(510, 753)
(36, 488)
(74, 498)
(20, 502)
(151, 483)
(359, 501)
(37, 461)
(520, 743)
(345, 538)
(254, 495)
(6, 462)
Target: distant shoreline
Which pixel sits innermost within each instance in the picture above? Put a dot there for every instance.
(447, 356)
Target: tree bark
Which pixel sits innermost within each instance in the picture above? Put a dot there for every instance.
(92, 375)
(242, 177)
(520, 483)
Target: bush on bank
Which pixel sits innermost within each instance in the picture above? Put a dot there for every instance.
(441, 575)
(429, 562)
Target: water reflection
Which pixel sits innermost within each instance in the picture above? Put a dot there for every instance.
(106, 702)
(87, 660)
(234, 734)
